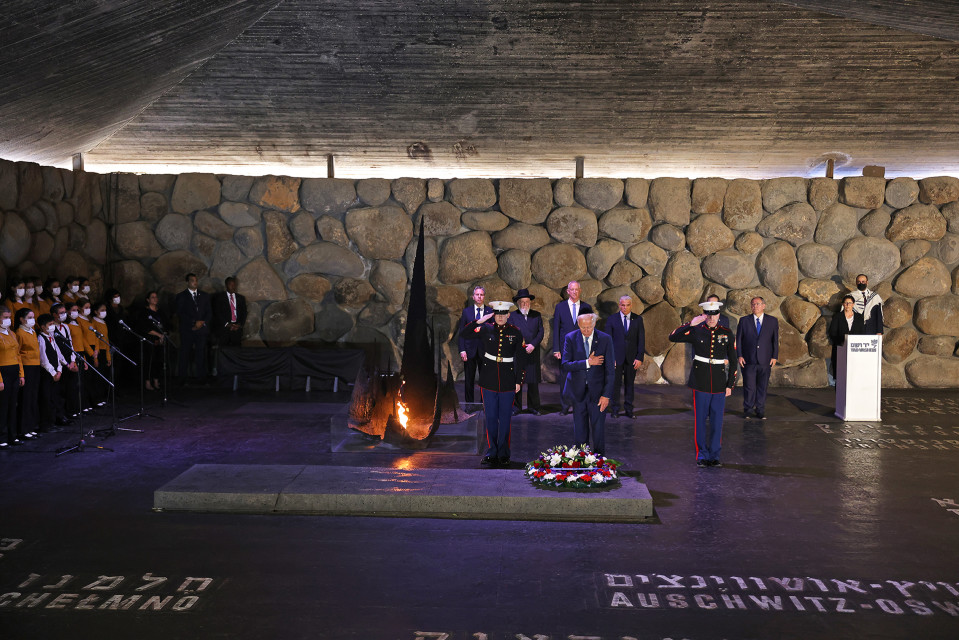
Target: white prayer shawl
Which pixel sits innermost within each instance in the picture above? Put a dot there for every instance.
(866, 301)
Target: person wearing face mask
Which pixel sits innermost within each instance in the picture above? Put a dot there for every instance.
(868, 304)
(67, 404)
(24, 321)
(72, 293)
(91, 349)
(30, 294)
(195, 313)
(11, 379)
(103, 359)
(18, 291)
(126, 375)
(40, 303)
(80, 345)
(85, 288)
(51, 293)
(52, 364)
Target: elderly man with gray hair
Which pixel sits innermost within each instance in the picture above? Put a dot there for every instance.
(589, 364)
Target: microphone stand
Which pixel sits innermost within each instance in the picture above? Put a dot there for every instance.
(141, 413)
(112, 431)
(166, 341)
(81, 443)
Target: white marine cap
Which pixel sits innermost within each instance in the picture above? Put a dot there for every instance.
(501, 306)
(711, 305)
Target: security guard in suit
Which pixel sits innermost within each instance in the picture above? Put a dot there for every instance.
(502, 362)
(712, 378)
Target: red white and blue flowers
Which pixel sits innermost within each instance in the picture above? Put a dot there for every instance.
(573, 467)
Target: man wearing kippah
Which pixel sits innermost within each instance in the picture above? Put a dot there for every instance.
(712, 378)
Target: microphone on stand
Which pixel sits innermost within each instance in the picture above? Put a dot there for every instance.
(97, 333)
(124, 325)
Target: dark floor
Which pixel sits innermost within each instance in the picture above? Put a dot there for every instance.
(813, 529)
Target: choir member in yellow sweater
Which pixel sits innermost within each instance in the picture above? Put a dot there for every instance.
(11, 378)
(24, 321)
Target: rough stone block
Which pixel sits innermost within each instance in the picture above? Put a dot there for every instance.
(573, 225)
(625, 225)
(780, 192)
(380, 232)
(901, 192)
(472, 193)
(328, 196)
(467, 257)
(707, 234)
(277, 192)
(669, 200)
(917, 221)
(556, 265)
(939, 190)
(708, 195)
(195, 191)
(863, 192)
(599, 194)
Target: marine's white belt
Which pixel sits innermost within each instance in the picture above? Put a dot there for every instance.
(709, 360)
(497, 358)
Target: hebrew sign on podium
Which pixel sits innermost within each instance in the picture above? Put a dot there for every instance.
(859, 378)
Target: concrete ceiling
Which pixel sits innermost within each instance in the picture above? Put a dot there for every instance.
(482, 87)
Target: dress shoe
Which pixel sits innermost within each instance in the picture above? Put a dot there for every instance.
(760, 415)
(503, 462)
(536, 412)
(487, 460)
(714, 463)
(747, 412)
(628, 414)
(702, 464)
(17, 443)
(4, 445)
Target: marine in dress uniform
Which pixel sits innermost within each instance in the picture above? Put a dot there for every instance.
(501, 373)
(712, 378)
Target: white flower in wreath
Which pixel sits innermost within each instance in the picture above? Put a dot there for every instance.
(599, 478)
(589, 460)
(572, 453)
(572, 478)
(549, 476)
(555, 460)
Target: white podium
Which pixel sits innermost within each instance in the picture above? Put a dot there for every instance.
(859, 378)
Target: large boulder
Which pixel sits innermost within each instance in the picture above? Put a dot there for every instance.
(520, 235)
(303, 228)
(599, 194)
(823, 192)
(563, 192)
(353, 292)
(730, 269)
(792, 348)
(939, 190)
(658, 322)
(943, 346)
(817, 260)
(650, 289)
(901, 192)
(249, 240)
(209, 224)
(472, 193)
(372, 192)
(332, 322)
(794, 223)
(678, 363)
(515, 268)
(938, 315)
(528, 201)
(779, 192)
(799, 313)
(332, 230)
(912, 250)
(557, 264)
(738, 301)
(668, 237)
(820, 292)
(682, 279)
(749, 243)
(279, 243)
(127, 198)
(195, 191)
(669, 200)
(332, 196)
(809, 374)
(435, 189)
(284, 322)
(708, 195)
(170, 269)
(896, 312)
(240, 214)
(601, 257)
(898, 344)
(43, 244)
(817, 339)
(951, 213)
(778, 269)
(863, 192)
(927, 277)
(132, 280)
(381, 233)
(326, 258)
(276, 192)
(648, 372)
(134, 240)
(389, 280)
(31, 184)
(707, 234)
(650, 257)
(8, 185)
(930, 372)
(234, 187)
(573, 225)
(485, 220)
(836, 225)
(917, 221)
(876, 222)
(310, 286)
(259, 281)
(623, 272)
(439, 219)
(466, 257)
(15, 240)
(174, 231)
(95, 246)
(875, 257)
(636, 193)
(948, 248)
(743, 205)
(625, 225)
(227, 260)
(409, 192)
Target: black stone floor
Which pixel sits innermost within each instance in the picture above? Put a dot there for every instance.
(813, 529)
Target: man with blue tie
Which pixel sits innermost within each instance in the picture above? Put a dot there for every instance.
(564, 321)
(469, 342)
(588, 361)
(757, 345)
(530, 324)
(629, 344)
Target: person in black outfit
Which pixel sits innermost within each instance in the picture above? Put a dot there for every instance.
(70, 374)
(195, 313)
(152, 323)
(530, 324)
(50, 402)
(229, 315)
(846, 322)
(470, 352)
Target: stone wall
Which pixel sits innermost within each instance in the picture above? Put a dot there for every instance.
(329, 259)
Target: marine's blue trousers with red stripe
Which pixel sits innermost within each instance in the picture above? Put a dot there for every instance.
(708, 411)
(498, 406)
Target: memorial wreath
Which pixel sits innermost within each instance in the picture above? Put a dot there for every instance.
(573, 467)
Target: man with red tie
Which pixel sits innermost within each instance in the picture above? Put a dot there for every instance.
(229, 315)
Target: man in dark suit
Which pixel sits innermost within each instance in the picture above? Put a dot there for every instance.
(757, 345)
(589, 364)
(229, 315)
(564, 321)
(629, 344)
(196, 313)
(530, 324)
(469, 344)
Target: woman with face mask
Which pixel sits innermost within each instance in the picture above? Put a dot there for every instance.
(11, 379)
(79, 330)
(52, 292)
(127, 376)
(18, 291)
(24, 322)
(40, 304)
(104, 359)
(68, 403)
(52, 364)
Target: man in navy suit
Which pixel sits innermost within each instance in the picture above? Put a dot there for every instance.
(589, 363)
(469, 343)
(629, 345)
(757, 345)
(564, 321)
(196, 313)
(530, 324)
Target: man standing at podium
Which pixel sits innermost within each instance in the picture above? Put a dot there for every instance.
(868, 305)
(757, 344)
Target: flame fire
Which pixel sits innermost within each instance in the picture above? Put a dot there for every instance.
(402, 413)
